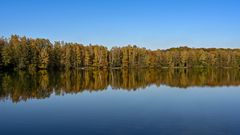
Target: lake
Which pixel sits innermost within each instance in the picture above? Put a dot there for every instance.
(121, 102)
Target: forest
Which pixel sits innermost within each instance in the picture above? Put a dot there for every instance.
(35, 54)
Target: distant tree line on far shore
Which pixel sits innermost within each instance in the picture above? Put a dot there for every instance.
(28, 53)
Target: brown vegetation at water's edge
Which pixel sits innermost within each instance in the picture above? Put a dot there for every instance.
(27, 53)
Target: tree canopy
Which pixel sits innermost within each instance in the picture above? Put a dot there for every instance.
(28, 53)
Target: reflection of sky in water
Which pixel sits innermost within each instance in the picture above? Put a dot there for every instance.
(150, 111)
(22, 85)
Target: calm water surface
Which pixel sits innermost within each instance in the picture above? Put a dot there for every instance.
(120, 102)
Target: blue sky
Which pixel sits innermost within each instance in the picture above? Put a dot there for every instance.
(147, 23)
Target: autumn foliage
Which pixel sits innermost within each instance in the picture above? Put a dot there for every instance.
(27, 53)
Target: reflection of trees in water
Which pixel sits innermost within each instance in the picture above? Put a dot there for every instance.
(184, 78)
(24, 85)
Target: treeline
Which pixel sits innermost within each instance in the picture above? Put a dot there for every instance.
(27, 53)
(24, 85)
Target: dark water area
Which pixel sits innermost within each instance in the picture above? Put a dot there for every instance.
(117, 102)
